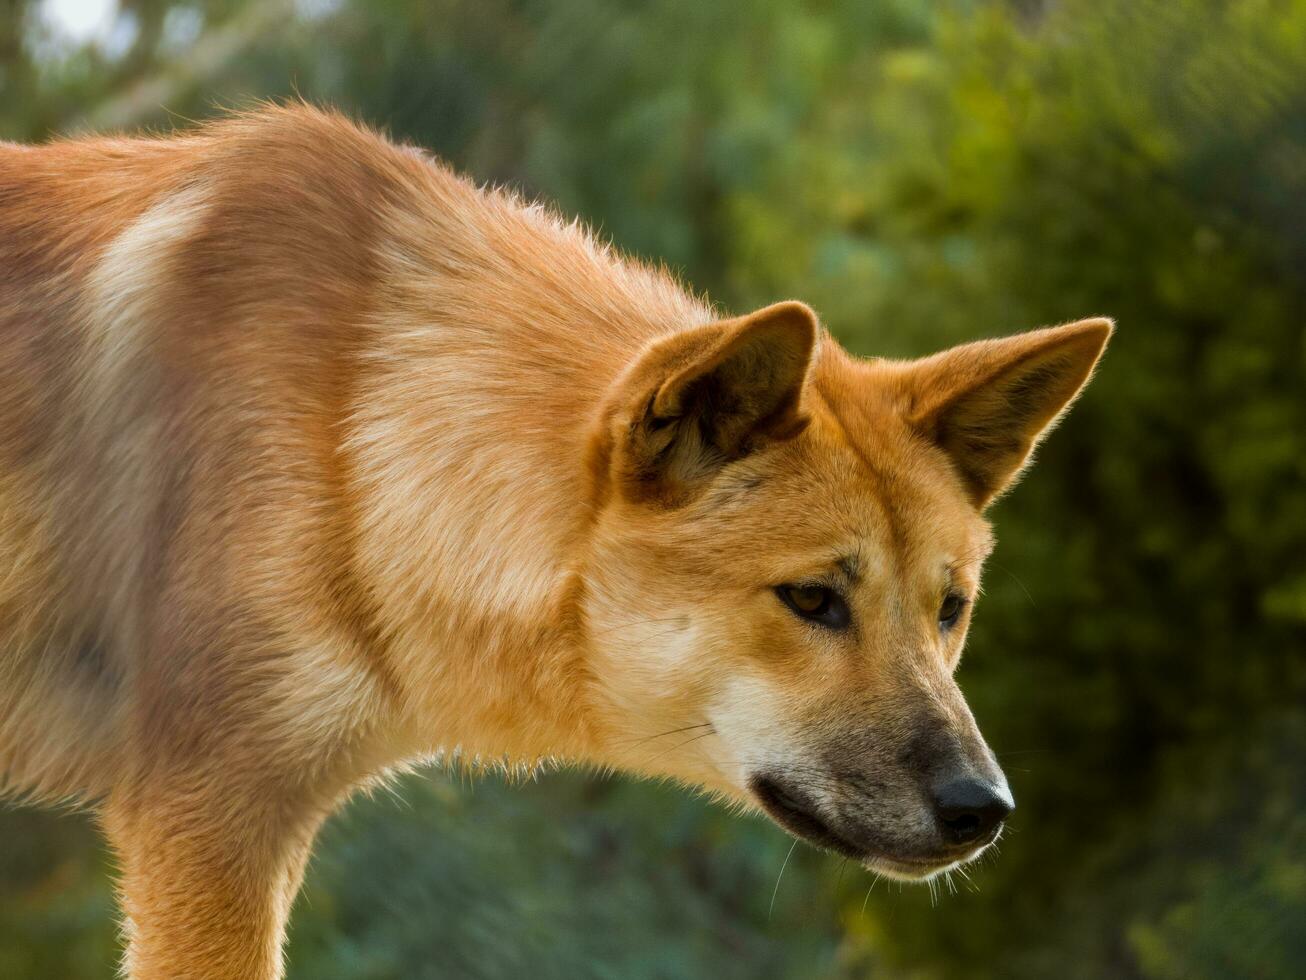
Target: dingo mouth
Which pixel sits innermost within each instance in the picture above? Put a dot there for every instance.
(796, 814)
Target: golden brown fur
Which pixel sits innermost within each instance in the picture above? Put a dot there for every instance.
(316, 459)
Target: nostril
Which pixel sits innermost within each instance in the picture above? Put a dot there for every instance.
(963, 827)
(970, 809)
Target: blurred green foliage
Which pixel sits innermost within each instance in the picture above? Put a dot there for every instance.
(922, 174)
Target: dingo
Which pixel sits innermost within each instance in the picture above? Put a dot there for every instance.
(316, 459)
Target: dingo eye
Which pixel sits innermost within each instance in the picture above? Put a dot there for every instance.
(817, 603)
(951, 609)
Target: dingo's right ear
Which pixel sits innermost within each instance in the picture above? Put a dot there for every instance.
(702, 398)
(987, 404)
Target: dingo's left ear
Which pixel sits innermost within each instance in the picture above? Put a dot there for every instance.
(988, 404)
(704, 397)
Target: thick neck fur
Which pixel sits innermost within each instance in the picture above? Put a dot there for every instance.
(494, 333)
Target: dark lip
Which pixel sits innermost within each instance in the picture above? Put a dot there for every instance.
(790, 814)
(795, 815)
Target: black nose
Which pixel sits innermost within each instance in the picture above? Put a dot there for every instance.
(971, 809)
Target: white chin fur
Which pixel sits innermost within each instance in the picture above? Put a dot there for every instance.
(899, 871)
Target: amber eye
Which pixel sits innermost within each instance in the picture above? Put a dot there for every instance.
(816, 603)
(951, 609)
(808, 600)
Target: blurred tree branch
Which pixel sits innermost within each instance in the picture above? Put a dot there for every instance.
(17, 74)
(213, 52)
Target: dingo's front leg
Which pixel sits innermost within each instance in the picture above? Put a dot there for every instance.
(208, 879)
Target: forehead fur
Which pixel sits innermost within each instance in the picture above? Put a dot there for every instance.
(858, 483)
(864, 406)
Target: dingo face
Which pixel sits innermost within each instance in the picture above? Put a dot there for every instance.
(788, 551)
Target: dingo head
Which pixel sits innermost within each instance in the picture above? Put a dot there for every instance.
(788, 549)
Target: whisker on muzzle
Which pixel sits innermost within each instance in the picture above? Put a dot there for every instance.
(681, 745)
(778, 878)
(636, 742)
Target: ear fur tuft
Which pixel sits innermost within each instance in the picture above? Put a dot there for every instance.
(988, 404)
(705, 397)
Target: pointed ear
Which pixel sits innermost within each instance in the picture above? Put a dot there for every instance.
(988, 404)
(705, 397)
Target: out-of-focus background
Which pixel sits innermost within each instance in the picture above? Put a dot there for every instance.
(921, 173)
